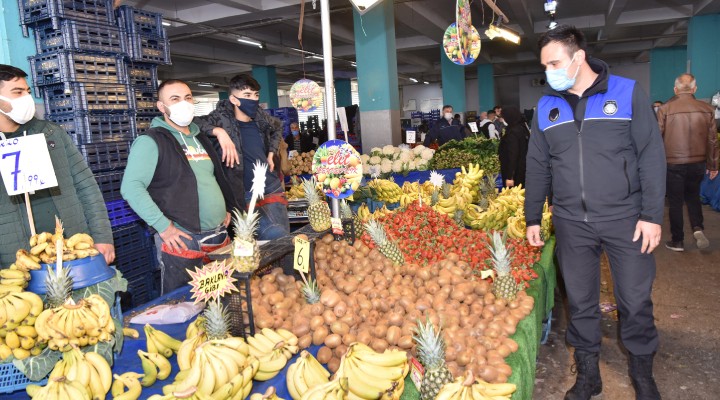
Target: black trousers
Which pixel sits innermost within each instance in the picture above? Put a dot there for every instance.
(579, 245)
(683, 184)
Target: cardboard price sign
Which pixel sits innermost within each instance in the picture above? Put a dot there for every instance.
(211, 282)
(410, 137)
(25, 164)
(302, 255)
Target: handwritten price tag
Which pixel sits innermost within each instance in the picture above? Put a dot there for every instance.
(242, 248)
(337, 227)
(473, 127)
(211, 282)
(25, 164)
(410, 137)
(302, 255)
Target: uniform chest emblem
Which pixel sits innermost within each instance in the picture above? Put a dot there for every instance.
(610, 107)
(554, 114)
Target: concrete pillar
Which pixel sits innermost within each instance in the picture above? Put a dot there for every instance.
(703, 50)
(14, 48)
(343, 92)
(486, 87)
(267, 79)
(377, 76)
(453, 83)
(223, 95)
(665, 65)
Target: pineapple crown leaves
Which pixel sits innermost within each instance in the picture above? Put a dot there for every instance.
(58, 287)
(245, 224)
(310, 187)
(345, 210)
(430, 344)
(310, 289)
(376, 231)
(216, 321)
(501, 254)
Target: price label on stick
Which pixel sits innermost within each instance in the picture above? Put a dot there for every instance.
(410, 137)
(336, 224)
(473, 127)
(302, 255)
(25, 164)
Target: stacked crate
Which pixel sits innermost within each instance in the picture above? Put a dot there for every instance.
(97, 72)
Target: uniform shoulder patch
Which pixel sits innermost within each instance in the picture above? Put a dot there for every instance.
(610, 107)
(554, 114)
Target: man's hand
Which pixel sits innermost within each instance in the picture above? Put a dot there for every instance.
(227, 220)
(107, 250)
(271, 163)
(172, 237)
(713, 174)
(229, 152)
(650, 233)
(509, 182)
(533, 236)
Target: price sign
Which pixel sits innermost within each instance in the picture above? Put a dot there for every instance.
(25, 164)
(242, 248)
(422, 136)
(487, 273)
(410, 137)
(337, 228)
(473, 127)
(302, 255)
(211, 282)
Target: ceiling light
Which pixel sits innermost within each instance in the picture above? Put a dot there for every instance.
(552, 25)
(353, 63)
(316, 57)
(250, 42)
(166, 23)
(201, 84)
(413, 80)
(426, 82)
(494, 31)
(363, 6)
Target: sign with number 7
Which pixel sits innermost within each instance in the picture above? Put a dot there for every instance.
(25, 164)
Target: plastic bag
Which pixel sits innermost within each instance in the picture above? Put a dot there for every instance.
(168, 313)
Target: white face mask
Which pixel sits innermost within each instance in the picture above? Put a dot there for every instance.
(23, 109)
(181, 113)
(448, 116)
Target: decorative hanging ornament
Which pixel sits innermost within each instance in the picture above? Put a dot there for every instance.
(338, 168)
(461, 50)
(306, 95)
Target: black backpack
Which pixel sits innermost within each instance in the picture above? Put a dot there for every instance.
(485, 129)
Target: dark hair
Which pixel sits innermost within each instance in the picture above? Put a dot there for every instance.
(168, 83)
(447, 106)
(658, 101)
(9, 73)
(491, 112)
(496, 107)
(457, 116)
(242, 82)
(569, 36)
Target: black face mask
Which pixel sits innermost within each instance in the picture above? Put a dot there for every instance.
(248, 107)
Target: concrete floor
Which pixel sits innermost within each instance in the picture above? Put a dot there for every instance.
(687, 365)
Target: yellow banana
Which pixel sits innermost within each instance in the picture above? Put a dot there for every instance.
(134, 389)
(164, 339)
(82, 246)
(102, 367)
(206, 385)
(149, 370)
(12, 340)
(77, 238)
(193, 377)
(163, 365)
(97, 390)
(130, 332)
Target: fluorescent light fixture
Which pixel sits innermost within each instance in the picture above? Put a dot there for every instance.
(250, 42)
(201, 84)
(363, 6)
(316, 57)
(426, 82)
(413, 80)
(552, 25)
(353, 63)
(494, 31)
(166, 23)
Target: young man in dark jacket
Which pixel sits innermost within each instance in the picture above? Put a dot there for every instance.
(513, 148)
(596, 140)
(257, 136)
(445, 129)
(77, 200)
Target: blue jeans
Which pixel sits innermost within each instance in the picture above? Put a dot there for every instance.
(274, 222)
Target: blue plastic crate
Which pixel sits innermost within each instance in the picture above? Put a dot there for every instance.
(69, 66)
(109, 183)
(133, 20)
(105, 156)
(96, 128)
(131, 237)
(88, 97)
(136, 262)
(78, 36)
(120, 213)
(146, 98)
(33, 11)
(143, 74)
(11, 379)
(141, 289)
(147, 48)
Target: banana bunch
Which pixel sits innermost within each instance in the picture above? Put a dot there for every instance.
(336, 389)
(186, 352)
(296, 189)
(449, 205)
(411, 193)
(546, 226)
(160, 342)
(195, 328)
(90, 371)
(507, 204)
(385, 190)
(472, 213)
(467, 387)
(273, 349)
(373, 375)
(468, 181)
(190, 394)
(86, 322)
(18, 336)
(59, 389)
(129, 380)
(155, 366)
(269, 394)
(217, 373)
(305, 374)
(365, 215)
(516, 225)
(79, 245)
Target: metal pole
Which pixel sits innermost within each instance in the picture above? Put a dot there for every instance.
(329, 83)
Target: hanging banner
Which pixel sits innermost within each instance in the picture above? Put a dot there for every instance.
(306, 95)
(337, 167)
(455, 50)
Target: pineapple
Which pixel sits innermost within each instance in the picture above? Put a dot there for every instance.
(347, 213)
(244, 226)
(216, 321)
(58, 287)
(318, 210)
(504, 285)
(310, 290)
(431, 353)
(434, 197)
(388, 248)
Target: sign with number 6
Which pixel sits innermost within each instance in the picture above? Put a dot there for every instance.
(25, 164)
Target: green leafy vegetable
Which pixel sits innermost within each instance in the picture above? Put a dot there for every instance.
(38, 367)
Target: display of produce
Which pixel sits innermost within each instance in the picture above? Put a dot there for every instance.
(159, 342)
(318, 210)
(371, 374)
(471, 150)
(387, 247)
(301, 163)
(431, 354)
(86, 375)
(335, 389)
(246, 255)
(126, 386)
(385, 190)
(399, 160)
(190, 394)
(270, 394)
(346, 213)
(296, 191)
(304, 374)
(18, 336)
(273, 348)
(468, 387)
(43, 245)
(155, 366)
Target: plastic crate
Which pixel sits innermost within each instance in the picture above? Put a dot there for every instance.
(120, 213)
(239, 305)
(143, 74)
(133, 20)
(78, 36)
(146, 98)
(33, 11)
(96, 128)
(131, 237)
(94, 97)
(11, 379)
(142, 121)
(106, 156)
(68, 66)
(109, 183)
(141, 289)
(147, 48)
(136, 263)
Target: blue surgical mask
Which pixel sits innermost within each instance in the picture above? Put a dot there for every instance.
(249, 107)
(295, 133)
(558, 78)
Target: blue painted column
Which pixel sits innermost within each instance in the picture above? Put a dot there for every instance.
(377, 76)
(267, 78)
(665, 65)
(486, 87)
(703, 50)
(343, 92)
(14, 48)
(453, 83)
(223, 95)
